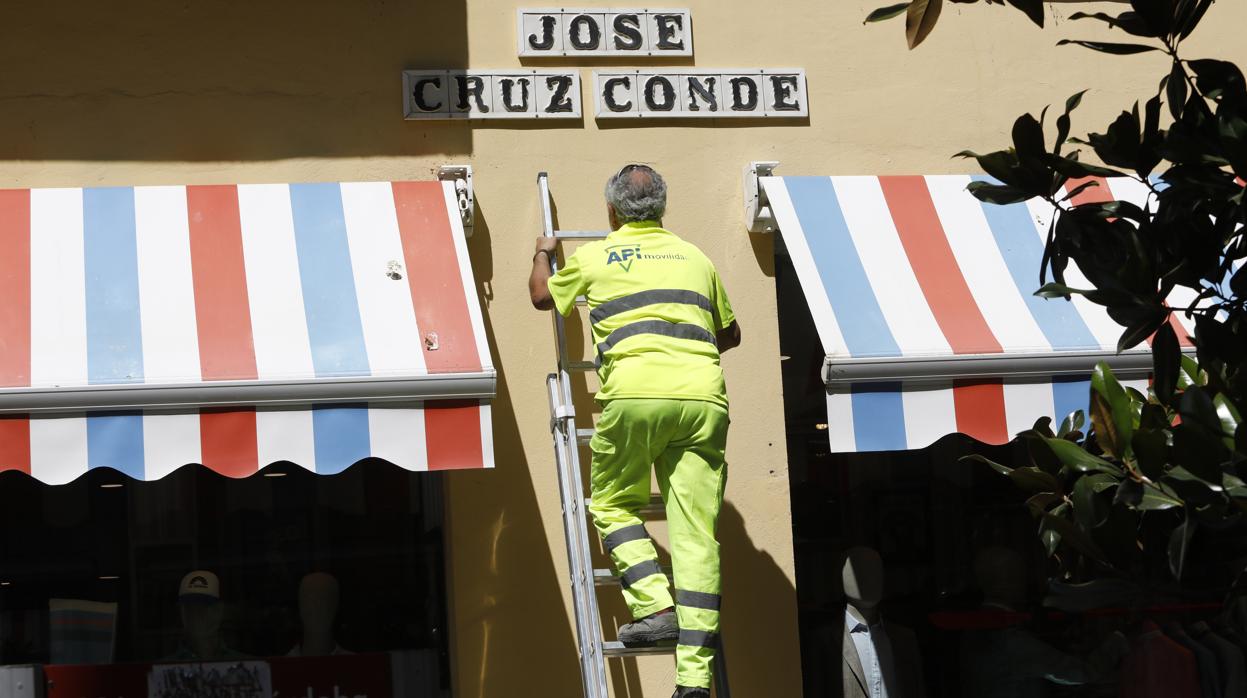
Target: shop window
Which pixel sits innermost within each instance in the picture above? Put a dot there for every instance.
(955, 539)
(298, 583)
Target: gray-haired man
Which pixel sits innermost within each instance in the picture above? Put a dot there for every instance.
(660, 319)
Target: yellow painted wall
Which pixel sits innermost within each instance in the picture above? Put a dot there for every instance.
(160, 91)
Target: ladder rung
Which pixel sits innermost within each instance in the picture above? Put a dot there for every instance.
(583, 436)
(581, 366)
(605, 577)
(581, 234)
(617, 649)
(581, 300)
(655, 505)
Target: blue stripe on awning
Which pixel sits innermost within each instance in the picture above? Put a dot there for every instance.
(878, 417)
(341, 437)
(861, 320)
(116, 441)
(110, 257)
(1022, 251)
(329, 299)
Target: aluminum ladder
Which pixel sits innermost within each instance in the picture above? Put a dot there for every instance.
(593, 647)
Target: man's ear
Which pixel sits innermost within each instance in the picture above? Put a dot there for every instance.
(611, 218)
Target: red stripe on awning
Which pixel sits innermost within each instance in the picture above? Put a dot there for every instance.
(15, 288)
(228, 441)
(935, 267)
(453, 435)
(980, 407)
(1099, 195)
(15, 443)
(433, 272)
(222, 310)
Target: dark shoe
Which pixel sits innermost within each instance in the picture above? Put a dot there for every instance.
(652, 629)
(690, 692)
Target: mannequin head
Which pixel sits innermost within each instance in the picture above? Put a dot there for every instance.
(862, 575)
(199, 603)
(318, 601)
(1001, 574)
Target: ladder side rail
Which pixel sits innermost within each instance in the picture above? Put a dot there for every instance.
(589, 622)
(572, 521)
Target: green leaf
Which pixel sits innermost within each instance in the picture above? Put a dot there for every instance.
(1175, 89)
(1109, 47)
(1156, 499)
(1187, 24)
(1197, 408)
(886, 12)
(1144, 322)
(1199, 451)
(1126, 21)
(1039, 503)
(1089, 509)
(1028, 140)
(1034, 480)
(1073, 535)
(1166, 361)
(976, 458)
(1112, 413)
(1129, 493)
(920, 19)
(1055, 290)
(1074, 456)
(1001, 194)
(1190, 373)
(1151, 452)
(1229, 416)
(1032, 8)
(1179, 544)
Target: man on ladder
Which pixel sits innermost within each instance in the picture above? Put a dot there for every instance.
(660, 318)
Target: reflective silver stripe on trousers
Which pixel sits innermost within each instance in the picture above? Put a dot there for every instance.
(667, 329)
(697, 599)
(652, 297)
(627, 534)
(698, 638)
(639, 571)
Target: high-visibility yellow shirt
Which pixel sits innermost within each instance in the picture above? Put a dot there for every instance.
(655, 303)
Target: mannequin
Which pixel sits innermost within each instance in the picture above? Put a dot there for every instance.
(1011, 661)
(879, 659)
(318, 609)
(201, 610)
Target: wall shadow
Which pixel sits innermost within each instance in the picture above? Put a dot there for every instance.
(185, 81)
(507, 609)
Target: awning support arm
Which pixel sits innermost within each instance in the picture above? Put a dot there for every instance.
(461, 175)
(839, 374)
(759, 218)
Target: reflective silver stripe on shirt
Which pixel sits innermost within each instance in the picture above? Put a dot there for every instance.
(627, 534)
(698, 638)
(655, 296)
(679, 330)
(639, 571)
(697, 599)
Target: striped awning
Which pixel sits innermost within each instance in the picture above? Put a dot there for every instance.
(923, 300)
(144, 328)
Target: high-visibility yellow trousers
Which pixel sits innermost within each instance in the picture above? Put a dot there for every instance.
(685, 441)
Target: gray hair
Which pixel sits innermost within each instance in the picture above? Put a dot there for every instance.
(637, 193)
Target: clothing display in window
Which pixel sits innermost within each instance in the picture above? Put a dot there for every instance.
(1232, 673)
(1158, 667)
(1205, 661)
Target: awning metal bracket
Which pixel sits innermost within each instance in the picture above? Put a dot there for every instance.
(759, 218)
(461, 175)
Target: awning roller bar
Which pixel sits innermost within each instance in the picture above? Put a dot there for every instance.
(839, 373)
(268, 393)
